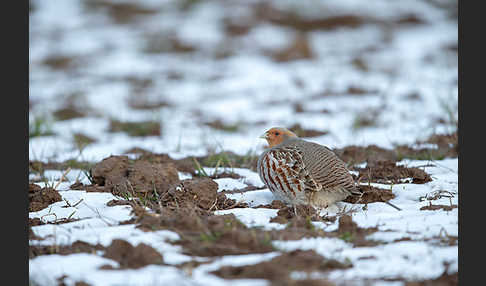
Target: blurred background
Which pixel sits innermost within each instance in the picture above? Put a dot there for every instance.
(189, 77)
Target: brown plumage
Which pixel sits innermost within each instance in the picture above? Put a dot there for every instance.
(302, 172)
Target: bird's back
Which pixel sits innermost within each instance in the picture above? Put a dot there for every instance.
(325, 167)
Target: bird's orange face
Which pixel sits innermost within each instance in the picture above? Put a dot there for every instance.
(277, 135)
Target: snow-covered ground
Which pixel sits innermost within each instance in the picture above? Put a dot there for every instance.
(405, 74)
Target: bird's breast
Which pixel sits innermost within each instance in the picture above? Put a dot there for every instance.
(278, 172)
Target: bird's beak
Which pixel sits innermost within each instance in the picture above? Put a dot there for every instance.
(264, 136)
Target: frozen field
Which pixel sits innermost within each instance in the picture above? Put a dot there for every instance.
(375, 81)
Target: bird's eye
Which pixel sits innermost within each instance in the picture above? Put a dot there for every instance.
(276, 133)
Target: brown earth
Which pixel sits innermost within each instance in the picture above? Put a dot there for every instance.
(82, 140)
(432, 207)
(275, 204)
(81, 283)
(117, 203)
(300, 220)
(182, 165)
(280, 267)
(129, 256)
(143, 103)
(439, 240)
(357, 154)
(302, 282)
(122, 176)
(120, 13)
(370, 195)
(298, 49)
(60, 282)
(60, 62)
(287, 213)
(447, 147)
(139, 128)
(188, 164)
(234, 28)
(387, 172)
(299, 226)
(229, 158)
(77, 186)
(203, 234)
(37, 221)
(435, 195)
(34, 222)
(302, 132)
(153, 178)
(40, 167)
(444, 280)
(221, 125)
(268, 13)
(201, 191)
(350, 232)
(225, 174)
(67, 113)
(41, 198)
(75, 247)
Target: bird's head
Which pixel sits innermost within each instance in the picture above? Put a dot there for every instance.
(277, 135)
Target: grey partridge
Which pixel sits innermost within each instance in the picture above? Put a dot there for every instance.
(301, 172)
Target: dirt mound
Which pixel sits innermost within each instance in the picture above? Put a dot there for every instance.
(280, 267)
(203, 191)
(200, 194)
(349, 231)
(371, 195)
(122, 176)
(132, 257)
(41, 198)
(148, 177)
(182, 165)
(387, 171)
(296, 215)
(110, 171)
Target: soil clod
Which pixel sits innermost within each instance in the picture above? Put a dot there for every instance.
(41, 198)
(371, 195)
(386, 172)
(132, 257)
